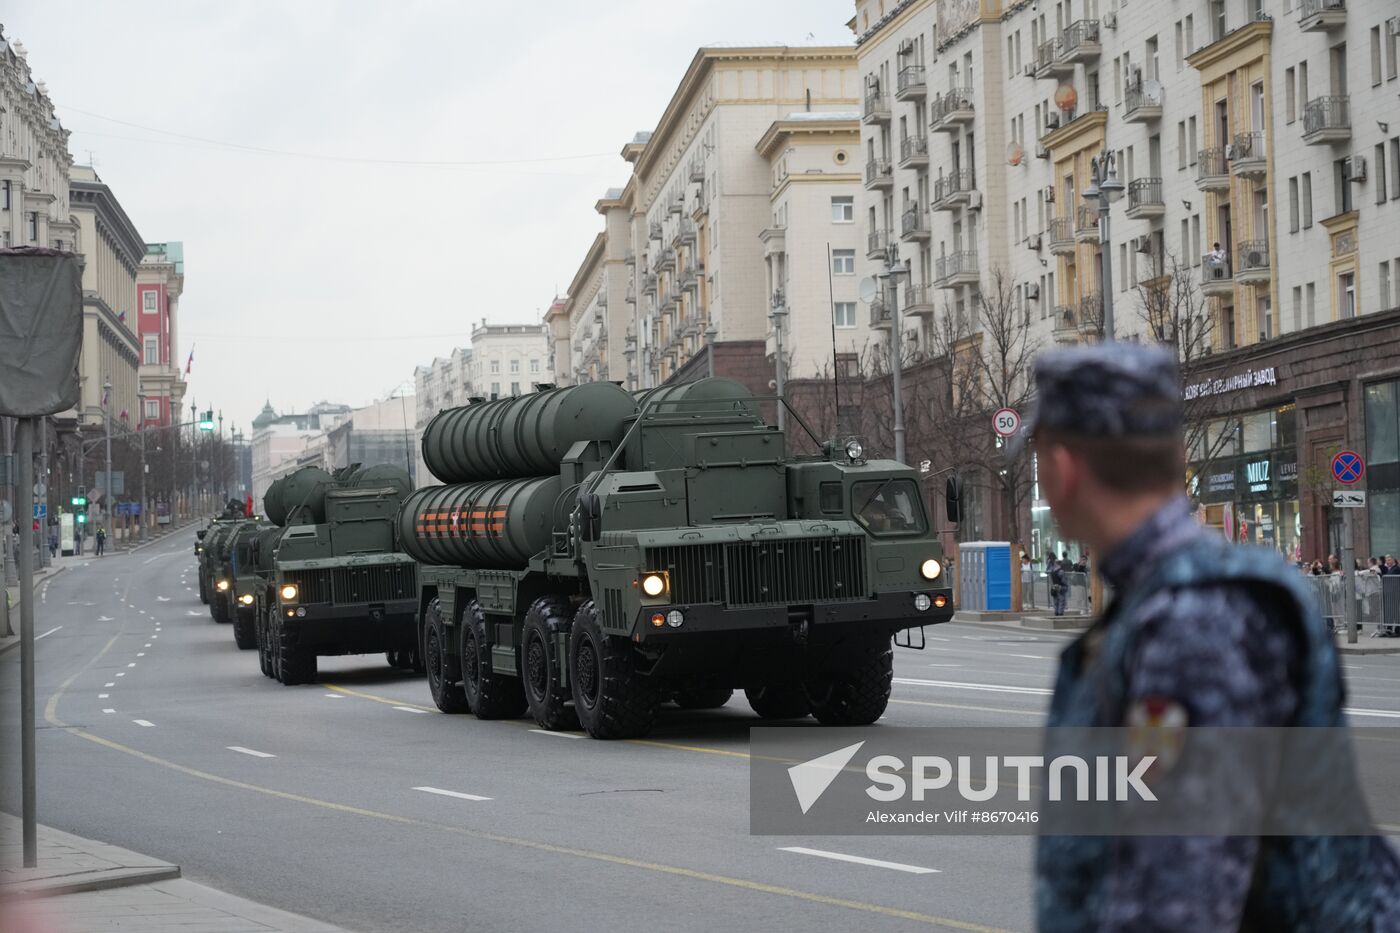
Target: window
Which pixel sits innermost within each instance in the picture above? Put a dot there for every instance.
(515, 366)
(152, 409)
(1178, 45)
(1311, 303)
(4, 195)
(1380, 173)
(1395, 162)
(148, 302)
(888, 507)
(1290, 94)
(1391, 45)
(1196, 238)
(1375, 55)
(1346, 296)
(495, 390)
(534, 366)
(1293, 204)
(1342, 185)
(515, 388)
(844, 313)
(843, 210)
(151, 350)
(1307, 200)
(830, 497)
(843, 262)
(1385, 285)
(1297, 307)
(1191, 140)
(495, 366)
(34, 226)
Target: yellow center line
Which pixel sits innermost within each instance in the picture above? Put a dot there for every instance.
(378, 699)
(980, 709)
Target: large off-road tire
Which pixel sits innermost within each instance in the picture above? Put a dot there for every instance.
(203, 589)
(703, 698)
(295, 664)
(491, 695)
(545, 695)
(442, 668)
(778, 701)
(264, 646)
(858, 695)
(243, 634)
(612, 698)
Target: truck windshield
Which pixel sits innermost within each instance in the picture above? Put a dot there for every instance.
(888, 507)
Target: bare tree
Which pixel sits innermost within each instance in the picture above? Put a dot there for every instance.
(1178, 315)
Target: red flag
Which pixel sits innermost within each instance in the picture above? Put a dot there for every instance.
(189, 362)
(249, 511)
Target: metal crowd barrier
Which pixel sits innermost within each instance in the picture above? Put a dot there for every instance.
(1035, 592)
(1377, 602)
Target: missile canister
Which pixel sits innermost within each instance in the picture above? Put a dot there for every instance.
(381, 476)
(304, 490)
(497, 524)
(525, 435)
(715, 393)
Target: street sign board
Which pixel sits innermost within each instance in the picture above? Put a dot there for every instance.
(118, 481)
(1349, 499)
(1348, 467)
(1006, 422)
(41, 510)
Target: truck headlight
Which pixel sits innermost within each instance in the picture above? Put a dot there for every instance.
(854, 450)
(930, 569)
(288, 592)
(246, 599)
(922, 602)
(654, 584)
(221, 586)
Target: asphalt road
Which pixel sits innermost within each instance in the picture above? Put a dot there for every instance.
(354, 801)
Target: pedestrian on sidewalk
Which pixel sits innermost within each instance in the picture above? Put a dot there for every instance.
(1201, 633)
(1059, 584)
(101, 540)
(53, 542)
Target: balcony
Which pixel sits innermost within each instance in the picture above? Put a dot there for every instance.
(1091, 315)
(685, 231)
(1145, 198)
(630, 296)
(951, 110)
(1212, 170)
(654, 230)
(876, 109)
(913, 151)
(918, 299)
(879, 174)
(1215, 277)
(1327, 120)
(1253, 263)
(913, 225)
(1321, 15)
(1142, 103)
(1080, 42)
(649, 284)
(953, 190)
(1086, 224)
(1047, 60)
(956, 269)
(629, 258)
(1247, 157)
(876, 243)
(911, 83)
(774, 240)
(880, 317)
(1061, 236)
(666, 260)
(1066, 324)
(690, 280)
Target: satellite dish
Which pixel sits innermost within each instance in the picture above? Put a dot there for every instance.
(1066, 97)
(869, 288)
(1152, 91)
(1014, 153)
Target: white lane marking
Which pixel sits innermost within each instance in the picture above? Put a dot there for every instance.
(942, 665)
(142, 611)
(132, 664)
(104, 696)
(121, 673)
(147, 645)
(249, 751)
(155, 636)
(104, 619)
(48, 633)
(1033, 657)
(151, 560)
(140, 654)
(409, 709)
(191, 612)
(1382, 713)
(860, 860)
(162, 599)
(109, 685)
(336, 696)
(989, 688)
(109, 711)
(450, 793)
(558, 735)
(189, 589)
(143, 722)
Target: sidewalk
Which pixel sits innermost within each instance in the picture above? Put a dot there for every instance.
(84, 886)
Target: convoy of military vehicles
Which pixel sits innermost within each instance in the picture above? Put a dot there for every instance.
(593, 554)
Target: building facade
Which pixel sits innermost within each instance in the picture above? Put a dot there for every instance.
(160, 283)
(34, 159)
(283, 443)
(506, 359)
(379, 433)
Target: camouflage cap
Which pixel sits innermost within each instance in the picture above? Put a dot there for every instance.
(1105, 391)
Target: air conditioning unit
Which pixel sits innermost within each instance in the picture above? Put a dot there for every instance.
(1110, 20)
(1257, 259)
(1041, 152)
(1142, 244)
(1052, 121)
(974, 200)
(1229, 152)
(1135, 76)
(1393, 25)
(1355, 168)
(1033, 241)
(1032, 292)
(906, 46)
(1028, 71)
(1049, 194)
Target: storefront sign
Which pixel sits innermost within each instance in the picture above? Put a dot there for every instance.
(1220, 482)
(1245, 380)
(1256, 475)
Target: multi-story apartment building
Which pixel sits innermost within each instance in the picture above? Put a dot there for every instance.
(34, 158)
(443, 383)
(380, 432)
(1256, 195)
(160, 282)
(680, 253)
(507, 359)
(282, 443)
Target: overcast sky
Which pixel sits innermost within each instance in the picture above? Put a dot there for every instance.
(329, 269)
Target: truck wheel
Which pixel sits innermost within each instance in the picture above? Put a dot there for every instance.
(243, 635)
(857, 696)
(264, 649)
(711, 698)
(612, 698)
(491, 695)
(203, 590)
(778, 701)
(545, 696)
(295, 665)
(447, 695)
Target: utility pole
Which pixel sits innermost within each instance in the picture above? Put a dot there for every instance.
(107, 495)
(710, 334)
(778, 315)
(194, 463)
(42, 484)
(891, 276)
(219, 455)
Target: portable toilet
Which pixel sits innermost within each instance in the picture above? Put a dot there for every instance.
(984, 576)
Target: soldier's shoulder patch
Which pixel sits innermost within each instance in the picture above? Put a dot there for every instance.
(1157, 727)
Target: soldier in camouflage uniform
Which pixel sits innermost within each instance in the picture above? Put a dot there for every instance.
(1199, 633)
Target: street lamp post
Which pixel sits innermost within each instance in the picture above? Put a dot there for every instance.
(194, 454)
(891, 276)
(710, 334)
(777, 316)
(107, 494)
(1105, 189)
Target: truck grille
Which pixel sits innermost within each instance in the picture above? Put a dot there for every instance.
(764, 573)
(347, 585)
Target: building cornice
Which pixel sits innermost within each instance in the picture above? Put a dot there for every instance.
(1227, 50)
(1083, 131)
(99, 198)
(587, 271)
(821, 178)
(843, 129)
(892, 20)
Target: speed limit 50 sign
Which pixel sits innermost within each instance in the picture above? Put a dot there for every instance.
(1006, 422)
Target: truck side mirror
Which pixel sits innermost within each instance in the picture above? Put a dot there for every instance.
(200, 534)
(952, 499)
(590, 517)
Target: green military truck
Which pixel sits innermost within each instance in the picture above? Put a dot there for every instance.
(206, 541)
(244, 582)
(333, 581)
(595, 554)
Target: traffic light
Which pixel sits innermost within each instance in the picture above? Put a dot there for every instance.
(206, 420)
(80, 504)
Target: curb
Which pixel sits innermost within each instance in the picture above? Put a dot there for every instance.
(93, 881)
